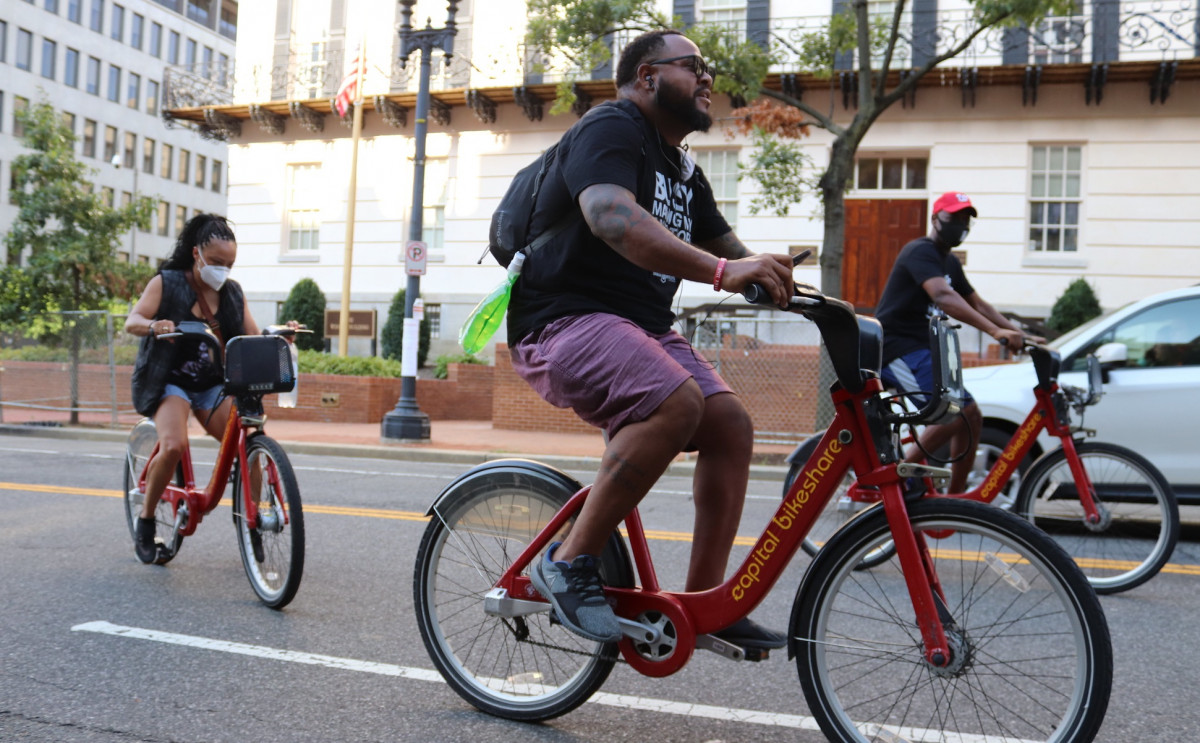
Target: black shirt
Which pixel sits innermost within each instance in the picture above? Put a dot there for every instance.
(577, 273)
(905, 307)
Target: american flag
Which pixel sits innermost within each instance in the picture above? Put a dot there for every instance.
(348, 89)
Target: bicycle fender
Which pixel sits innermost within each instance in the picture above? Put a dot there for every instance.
(527, 467)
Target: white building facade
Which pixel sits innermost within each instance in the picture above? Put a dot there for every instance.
(102, 64)
(1079, 143)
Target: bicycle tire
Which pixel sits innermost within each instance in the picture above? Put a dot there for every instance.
(837, 512)
(524, 668)
(276, 578)
(138, 448)
(1141, 525)
(1031, 659)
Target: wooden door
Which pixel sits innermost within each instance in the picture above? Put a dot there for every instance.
(876, 230)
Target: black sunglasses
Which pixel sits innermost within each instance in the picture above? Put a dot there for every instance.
(694, 63)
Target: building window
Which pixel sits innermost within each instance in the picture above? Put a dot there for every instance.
(433, 217)
(228, 24)
(155, 49)
(136, 24)
(152, 97)
(1055, 194)
(110, 143)
(24, 49)
(133, 86)
(147, 155)
(201, 170)
(71, 68)
(189, 55)
(223, 69)
(89, 138)
(433, 316)
(164, 161)
(130, 154)
(721, 169)
(114, 83)
(68, 121)
(303, 207)
(207, 60)
(49, 58)
(3, 41)
(164, 218)
(180, 218)
(173, 47)
(93, 76)
(215, 182)
(51, 6)
(730, 13)
(74, 10)
(106, 196)
(97, 18)
(198, 11)
(19, 106)
(185, 162)
(116, 23)
(890, 173)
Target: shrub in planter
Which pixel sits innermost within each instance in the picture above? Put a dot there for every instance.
(392, 335)
(306, 303)
(1077, 305)
(443, 362)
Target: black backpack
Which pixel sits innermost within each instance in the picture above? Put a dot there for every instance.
(509, 231)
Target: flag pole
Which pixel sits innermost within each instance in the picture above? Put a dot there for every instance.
(348, 253)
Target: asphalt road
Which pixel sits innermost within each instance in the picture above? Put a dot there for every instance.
(95, 646)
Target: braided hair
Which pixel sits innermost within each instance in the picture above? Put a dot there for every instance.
(198, 232)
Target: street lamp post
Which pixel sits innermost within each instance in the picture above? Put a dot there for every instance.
(406, 421)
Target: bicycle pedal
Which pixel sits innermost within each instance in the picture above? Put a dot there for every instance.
(757, 655)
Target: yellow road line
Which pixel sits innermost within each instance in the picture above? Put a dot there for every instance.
(658, 535)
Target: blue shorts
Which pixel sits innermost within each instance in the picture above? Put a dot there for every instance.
(204, 400)
(913, 373)
(608, 369)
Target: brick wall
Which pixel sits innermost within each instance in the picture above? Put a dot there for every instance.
(515, 406)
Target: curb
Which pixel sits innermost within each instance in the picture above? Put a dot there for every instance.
(381, 451)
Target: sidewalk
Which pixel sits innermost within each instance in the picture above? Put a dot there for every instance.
(466, 442)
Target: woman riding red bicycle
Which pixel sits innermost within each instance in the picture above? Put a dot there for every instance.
(175, 377)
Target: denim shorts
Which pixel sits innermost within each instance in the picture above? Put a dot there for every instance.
(913, 373)
(609, 370)
(204, 400)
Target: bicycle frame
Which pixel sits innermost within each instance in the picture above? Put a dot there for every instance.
(191, 504)
(850, 441)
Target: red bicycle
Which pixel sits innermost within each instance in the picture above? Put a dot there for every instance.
(977, 626)
(1109, 507)
(266, 500)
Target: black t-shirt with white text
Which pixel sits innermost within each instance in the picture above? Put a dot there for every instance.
(905, 307)
(576, 272)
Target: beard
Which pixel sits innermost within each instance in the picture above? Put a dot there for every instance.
(681, 105)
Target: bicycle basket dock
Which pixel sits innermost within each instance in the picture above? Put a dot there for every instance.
(258, 364)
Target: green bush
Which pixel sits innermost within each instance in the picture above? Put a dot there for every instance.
(392, 336)
(443, 362)
(316, 362)
(306, 303)
(1077, 305)
(123, 355)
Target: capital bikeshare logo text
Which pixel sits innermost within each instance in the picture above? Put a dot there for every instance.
(785, 519)
(1006, 461)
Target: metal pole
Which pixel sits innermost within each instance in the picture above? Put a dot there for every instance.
(112, 365)
(406, 421)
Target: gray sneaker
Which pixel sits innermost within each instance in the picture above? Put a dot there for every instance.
(575, 592)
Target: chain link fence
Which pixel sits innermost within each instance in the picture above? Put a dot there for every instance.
(68, 367)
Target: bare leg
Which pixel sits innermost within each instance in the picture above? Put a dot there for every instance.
(633, 461)
(725, 439)
(215, 426)
(170, 420)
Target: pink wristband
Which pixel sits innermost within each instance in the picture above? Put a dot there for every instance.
(720, 274)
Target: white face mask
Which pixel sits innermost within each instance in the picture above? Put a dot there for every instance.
(214, 276)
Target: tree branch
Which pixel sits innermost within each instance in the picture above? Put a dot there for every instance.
(891, 48)
(863, 32)
(911, 81)
(821, 121)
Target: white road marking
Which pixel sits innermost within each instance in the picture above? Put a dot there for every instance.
(28, 451)
(623, 701)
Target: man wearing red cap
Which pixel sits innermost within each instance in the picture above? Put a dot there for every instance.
(927, 277)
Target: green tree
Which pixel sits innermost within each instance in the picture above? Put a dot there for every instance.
(392, 335)
(306, 304)
(1076, 305)
(579, 31)
(62, 246)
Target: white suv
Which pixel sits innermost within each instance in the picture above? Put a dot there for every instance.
(1151, 403)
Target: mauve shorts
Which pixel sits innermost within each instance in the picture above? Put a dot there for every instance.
(608, 369)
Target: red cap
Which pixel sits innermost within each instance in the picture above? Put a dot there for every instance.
(953, 201)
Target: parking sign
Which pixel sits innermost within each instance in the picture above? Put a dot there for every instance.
(415, 255)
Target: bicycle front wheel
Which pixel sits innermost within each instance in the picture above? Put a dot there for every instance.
(138, 448)
(1031, 658)
(522, 667)
(1139, 516)
(273, 552)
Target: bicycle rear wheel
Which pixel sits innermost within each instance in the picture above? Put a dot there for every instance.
(138, 449)
(520, 668)
(1139, 514)
(272, 553)
(1031, 654)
